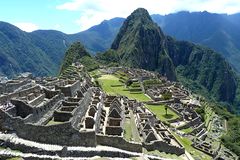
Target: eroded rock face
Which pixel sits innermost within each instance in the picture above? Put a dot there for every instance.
(141, 43)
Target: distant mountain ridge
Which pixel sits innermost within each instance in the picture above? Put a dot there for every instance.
(41, 52)
(218, 31)
(47, 47)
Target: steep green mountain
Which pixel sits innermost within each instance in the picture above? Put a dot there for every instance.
(19, 54)
(99, 38)
(52, 43)
(47, 47)
(41, 52)
(141, 43)
(218, 31)
(77, 53)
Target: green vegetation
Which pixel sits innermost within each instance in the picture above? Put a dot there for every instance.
(24, 52)
(201, 112)
(77, 53)
(187, 130)
(167, 95)
(194, 152)
(109, 58)
(14, 158)
(130, 129)
(160, 111)
(111, 85)
(127, 130)
(95, 73)
(52, 122)
(232, 139)
(151, 82)
(89, 63)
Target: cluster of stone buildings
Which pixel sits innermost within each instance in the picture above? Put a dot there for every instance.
(184, 104)
(70, 111)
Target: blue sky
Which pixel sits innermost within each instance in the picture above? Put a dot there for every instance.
(72, 16)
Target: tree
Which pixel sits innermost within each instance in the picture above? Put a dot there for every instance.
(166, 108)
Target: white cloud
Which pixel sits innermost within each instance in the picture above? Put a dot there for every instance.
(94, 11)
(26, 26)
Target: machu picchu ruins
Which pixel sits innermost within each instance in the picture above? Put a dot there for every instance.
(58, 116)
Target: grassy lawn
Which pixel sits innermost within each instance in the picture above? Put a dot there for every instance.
(159, 110)
(95, 73)
(130, 129)
(52, 122)
(194, 152)
(187, 130)
(14, 158)
(135, 133)
(111, 85)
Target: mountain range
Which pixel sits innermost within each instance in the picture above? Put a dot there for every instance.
(41, 51)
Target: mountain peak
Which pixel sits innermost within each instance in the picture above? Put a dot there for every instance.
(137, 24)
(140, 12)
(139, 44)
(140, 15)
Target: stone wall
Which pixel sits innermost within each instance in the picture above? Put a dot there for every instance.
(46, 108)
(164, 147)
(69, 90)
(197, 129)
(61, 116)
(81, 109)
(11, 87)
(22, 109)
(37, 100)
(118, 142)
(114, 130)
(194, 122)
(61, 134)
(22, 93)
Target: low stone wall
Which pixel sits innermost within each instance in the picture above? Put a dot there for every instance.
(46, 108)
(119, 142)
(38, 100)
(62, 116)
(191, 123)
(164, 147)
(175, 120)
(81, 109)
(21, 93)
(197, 129)
(160, 102)
(70, 90)
(114, 130)
(11, 87)
(61, 134)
